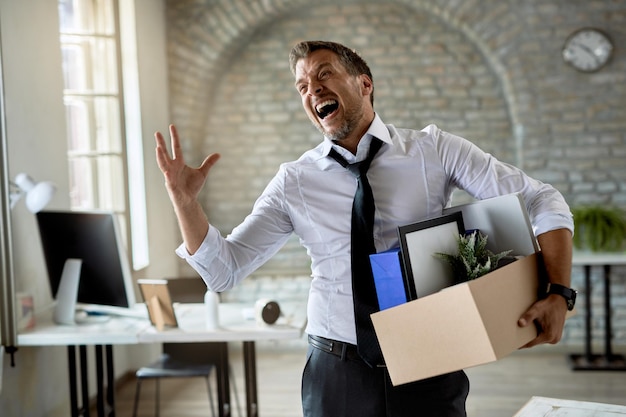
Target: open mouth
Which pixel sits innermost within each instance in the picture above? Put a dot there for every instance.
(326, 107)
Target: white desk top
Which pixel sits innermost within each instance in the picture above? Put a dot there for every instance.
(598, 258)
(125, 330)
(117, 330)
(234, 325)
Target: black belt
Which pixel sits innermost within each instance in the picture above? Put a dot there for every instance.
(345, 351)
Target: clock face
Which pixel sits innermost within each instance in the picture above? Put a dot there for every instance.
(587, 49)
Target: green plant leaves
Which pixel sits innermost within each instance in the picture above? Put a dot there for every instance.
(473, 259)
(599, 228)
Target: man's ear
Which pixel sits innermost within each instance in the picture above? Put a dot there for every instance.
(366, 85)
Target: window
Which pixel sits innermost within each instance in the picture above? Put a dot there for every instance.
(94, 102)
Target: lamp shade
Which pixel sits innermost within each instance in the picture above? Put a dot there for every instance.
(38, 195)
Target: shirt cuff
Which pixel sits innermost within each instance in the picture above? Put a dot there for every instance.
(207, 250)
(548, 222)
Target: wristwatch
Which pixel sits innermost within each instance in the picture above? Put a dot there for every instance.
(568, 293)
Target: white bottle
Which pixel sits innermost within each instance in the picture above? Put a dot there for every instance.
(211, 304)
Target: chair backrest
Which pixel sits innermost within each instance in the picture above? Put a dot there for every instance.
(193, 353)
(186, 290)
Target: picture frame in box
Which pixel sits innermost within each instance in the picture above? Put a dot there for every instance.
(426, 274)
(156, 294)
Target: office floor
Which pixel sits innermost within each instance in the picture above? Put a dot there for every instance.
(498, 389)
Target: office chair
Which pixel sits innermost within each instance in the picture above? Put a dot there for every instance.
(183, 360)
(176, 362)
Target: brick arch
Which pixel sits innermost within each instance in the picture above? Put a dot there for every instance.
(222, 28)
(207, 52)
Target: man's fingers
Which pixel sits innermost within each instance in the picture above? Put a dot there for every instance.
(168, 163)
(208, 162)
(176, 150)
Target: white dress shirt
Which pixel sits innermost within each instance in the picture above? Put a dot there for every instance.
(412, 178)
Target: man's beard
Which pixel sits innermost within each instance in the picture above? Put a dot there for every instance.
(348, 125)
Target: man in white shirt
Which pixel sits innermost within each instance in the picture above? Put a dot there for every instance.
(412, 177)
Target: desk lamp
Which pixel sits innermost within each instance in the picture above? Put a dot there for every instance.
(38, 195)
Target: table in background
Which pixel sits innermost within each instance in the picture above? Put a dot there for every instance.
(234, 327)
(102, 336)
(608, 361)
(554, 407)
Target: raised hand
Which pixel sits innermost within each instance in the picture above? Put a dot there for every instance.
(183, 185)
(183, 182)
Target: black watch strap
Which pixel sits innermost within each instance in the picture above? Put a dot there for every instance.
(568, 293)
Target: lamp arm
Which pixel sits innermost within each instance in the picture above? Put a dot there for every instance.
(15, 193)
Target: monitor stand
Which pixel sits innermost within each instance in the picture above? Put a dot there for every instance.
(64, 310)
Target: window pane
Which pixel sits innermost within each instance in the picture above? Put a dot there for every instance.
(93, 125)
(111, 183)
(81, 184)
(75, 16)
(105, 73)
(74, 64)
(77, 116)
(108, 129)
(105, 17)
(97, 183)
(86, 16)
(89, 65)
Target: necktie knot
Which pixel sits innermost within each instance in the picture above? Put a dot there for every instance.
(358, 168)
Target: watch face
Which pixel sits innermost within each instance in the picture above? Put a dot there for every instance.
(587, 49)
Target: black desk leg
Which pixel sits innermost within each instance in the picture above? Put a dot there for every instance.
(110, 381)
(249, 358)
(99, 381)
(83, 410)
(223, 381)
(594, 362)
(109, 405)
(589, 314)
(84, 380)
(71, 364)
(608, 328)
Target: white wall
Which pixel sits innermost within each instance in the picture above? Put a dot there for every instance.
(35, 125)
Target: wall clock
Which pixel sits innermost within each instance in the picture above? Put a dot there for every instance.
(588, 49)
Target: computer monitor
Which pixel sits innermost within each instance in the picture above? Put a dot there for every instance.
(97, 277)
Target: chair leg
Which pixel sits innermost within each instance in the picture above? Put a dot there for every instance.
(136, 397)
(234, 387)
(211, 404)
(157, 397)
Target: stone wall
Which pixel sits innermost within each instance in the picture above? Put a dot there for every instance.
(489, 70)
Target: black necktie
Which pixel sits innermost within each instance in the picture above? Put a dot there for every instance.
(362, 245)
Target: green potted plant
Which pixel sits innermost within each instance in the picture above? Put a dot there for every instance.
(599, 228)
(473, 259)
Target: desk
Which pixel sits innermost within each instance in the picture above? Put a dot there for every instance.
(123, 330)
(554, 407)
(607, 361)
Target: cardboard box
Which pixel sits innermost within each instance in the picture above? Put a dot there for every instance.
(465, 325)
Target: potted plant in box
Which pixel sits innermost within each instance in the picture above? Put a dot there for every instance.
(473, 259)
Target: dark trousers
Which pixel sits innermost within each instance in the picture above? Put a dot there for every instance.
(336, 387)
